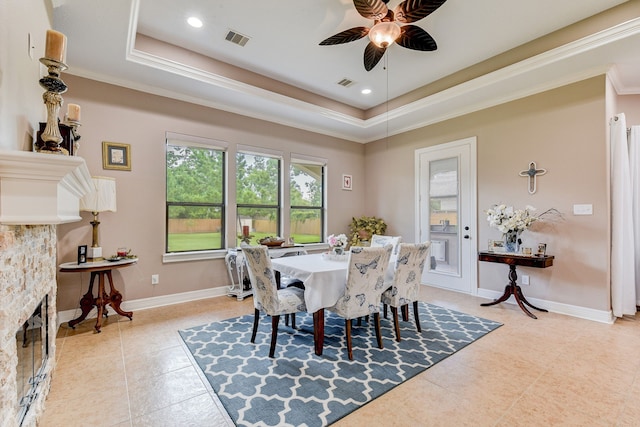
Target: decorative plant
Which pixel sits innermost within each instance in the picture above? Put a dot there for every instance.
(364, 227)
(339, 240)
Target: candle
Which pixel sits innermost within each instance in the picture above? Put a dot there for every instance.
(245, 231)
(73, 112)
(56, 46)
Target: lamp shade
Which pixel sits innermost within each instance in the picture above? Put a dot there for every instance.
(103, 198)
(383, 34)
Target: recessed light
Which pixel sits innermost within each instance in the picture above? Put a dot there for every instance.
(365, 91)
(194, 22)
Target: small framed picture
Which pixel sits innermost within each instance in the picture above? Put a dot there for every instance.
(495, 246)
(347, 183)
(82, 254)
(116, 156)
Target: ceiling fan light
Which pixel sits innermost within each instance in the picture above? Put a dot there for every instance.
(383, 34)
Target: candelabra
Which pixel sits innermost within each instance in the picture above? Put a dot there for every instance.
(53, 100)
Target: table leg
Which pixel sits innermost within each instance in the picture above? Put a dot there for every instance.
(115, 299)
(101, 301)
(513, 289)
(318, 331)
(86, 303)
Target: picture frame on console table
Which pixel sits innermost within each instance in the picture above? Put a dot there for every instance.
(82, 254)
(116, 156)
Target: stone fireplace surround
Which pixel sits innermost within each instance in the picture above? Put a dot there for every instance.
(37, 191)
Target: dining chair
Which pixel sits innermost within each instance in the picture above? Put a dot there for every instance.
(404, 288)
(266, 295)
(379, 240)
(363, 288)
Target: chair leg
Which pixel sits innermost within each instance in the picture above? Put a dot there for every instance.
(256, 318)
(293, 320)
(274, 334)
(415, 315)
(405, 313)
(376, 321)
(396, 322)
(347, 332)
(384, 310)
(286, 319)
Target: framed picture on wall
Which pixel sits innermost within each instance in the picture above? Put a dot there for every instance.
(116, 156)
(346, 182)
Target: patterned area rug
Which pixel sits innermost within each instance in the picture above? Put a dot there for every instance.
(298, 388)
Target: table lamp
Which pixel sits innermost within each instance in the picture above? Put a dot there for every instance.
(101, 200)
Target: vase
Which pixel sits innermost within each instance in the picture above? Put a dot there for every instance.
(338, 250)
(512, 241)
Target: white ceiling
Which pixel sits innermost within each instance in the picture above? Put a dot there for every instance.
(283, 47)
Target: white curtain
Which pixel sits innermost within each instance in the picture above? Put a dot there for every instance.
(633, 139)
(623, 258)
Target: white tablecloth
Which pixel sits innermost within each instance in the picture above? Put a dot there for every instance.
(324, 279)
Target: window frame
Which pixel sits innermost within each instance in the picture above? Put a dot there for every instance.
(314, 161)
(279, 207)
(189, 141)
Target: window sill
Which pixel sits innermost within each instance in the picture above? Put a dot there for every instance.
(219, 254)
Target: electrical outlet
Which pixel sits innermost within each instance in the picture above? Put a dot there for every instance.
(525, 279)
(155, 279)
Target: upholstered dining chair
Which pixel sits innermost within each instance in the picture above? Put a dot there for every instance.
(266, 295)
(379, 241)
(364, 286)
(404, 288)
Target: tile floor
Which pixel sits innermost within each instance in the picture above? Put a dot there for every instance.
(554, 371)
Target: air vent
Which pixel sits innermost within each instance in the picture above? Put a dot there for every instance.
(346, 82)
(236, 38)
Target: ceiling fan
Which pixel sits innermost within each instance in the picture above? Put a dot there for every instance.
(387, 29)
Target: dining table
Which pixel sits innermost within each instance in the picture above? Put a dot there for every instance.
(324, 276)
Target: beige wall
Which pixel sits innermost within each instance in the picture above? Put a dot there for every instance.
(630, 106)
(563, 131)
(117, 114)
(21, 105)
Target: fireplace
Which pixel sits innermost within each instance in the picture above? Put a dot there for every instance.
(32, 344)
(37, 191)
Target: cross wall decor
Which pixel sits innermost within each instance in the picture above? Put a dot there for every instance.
(532, 173)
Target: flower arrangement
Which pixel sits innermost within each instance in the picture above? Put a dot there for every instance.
(337, 241)
(364, 227)
(510, 220)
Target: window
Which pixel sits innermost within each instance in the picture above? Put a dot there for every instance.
(257, 194)
(195, 194)
(306, 196)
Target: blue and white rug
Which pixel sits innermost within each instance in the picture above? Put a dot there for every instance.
(298, 388)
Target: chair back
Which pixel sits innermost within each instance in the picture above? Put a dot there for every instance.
(263, 280)
(379, 241)
(409, 266)
(365, 281)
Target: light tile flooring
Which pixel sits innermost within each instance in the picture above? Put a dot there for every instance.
(554, 371)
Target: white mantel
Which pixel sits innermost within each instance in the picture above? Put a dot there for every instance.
(38, 189)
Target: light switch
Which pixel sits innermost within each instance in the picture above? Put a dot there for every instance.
(583, 209)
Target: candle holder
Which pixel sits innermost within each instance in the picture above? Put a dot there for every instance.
(53, 100)
(73, 126)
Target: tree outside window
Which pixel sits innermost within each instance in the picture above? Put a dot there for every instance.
(257, 195)
(195, 197)
(306, 192)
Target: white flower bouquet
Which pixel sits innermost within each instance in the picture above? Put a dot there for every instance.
(509, 220)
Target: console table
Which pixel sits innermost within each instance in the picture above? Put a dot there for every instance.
(101, 270)
(240, 284)
(512, 288)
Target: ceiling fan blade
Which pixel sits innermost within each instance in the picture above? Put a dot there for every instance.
(372, 55)
(346, 36)
(371, 9)
(414, 37)
(414, 10)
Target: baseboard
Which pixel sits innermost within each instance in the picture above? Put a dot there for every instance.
(556, 307)
(152, 302)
